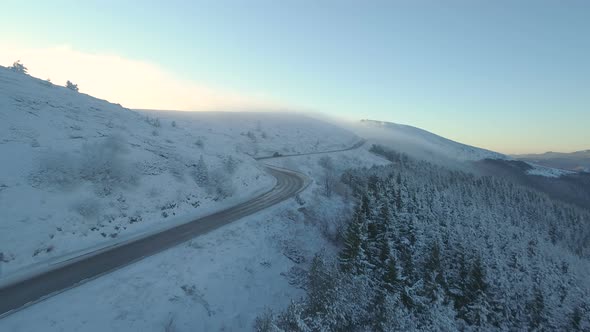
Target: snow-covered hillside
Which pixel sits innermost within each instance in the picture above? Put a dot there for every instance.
(264, 133)
(421, 143)
(545, 171)
(223, 280)
(78, 171)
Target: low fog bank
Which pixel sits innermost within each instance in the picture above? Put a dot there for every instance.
(413, 141)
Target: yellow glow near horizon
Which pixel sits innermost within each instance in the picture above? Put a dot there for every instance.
(132, 83)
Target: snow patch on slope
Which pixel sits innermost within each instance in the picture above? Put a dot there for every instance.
(547, 171)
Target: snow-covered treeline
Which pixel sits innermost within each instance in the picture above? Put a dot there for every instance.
(428, 248)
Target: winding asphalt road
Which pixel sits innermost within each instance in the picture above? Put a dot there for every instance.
(355, 146)
(19, 294)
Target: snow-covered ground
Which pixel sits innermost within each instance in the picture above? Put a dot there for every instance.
(78, 172)
(217, 282)
(549, 172)
(264, 133)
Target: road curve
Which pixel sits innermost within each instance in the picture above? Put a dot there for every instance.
(26, 292)
(355, 146)
(22, 293)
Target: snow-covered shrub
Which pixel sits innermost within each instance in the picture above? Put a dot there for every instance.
(264, 322)
(292, 318)
(326, 306)
(103, 165)
(220, 184)
(47, 83)
(70, 85)
(251, 136)
(199, 143)
(177, 169)
(201, 173)
(329, 179)
(230, 164)
(331, 221)
(170, 325)
(57, 169)
(18, 67)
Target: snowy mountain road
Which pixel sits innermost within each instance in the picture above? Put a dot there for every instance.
(36, 288)
(73, 272)
(355, 146)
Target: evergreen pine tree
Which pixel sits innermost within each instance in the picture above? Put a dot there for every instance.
(201, 173)
(474, 306)
(230, 164)
(320, 285)
(477, 279)
(379, 320)
(351, 257)
(398, 200)
(391, 275)
(536, 309)
(433, 274)
(576, 319)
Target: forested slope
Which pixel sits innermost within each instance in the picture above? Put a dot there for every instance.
(429, 248)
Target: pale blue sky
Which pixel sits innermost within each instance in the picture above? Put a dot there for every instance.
(513, 76)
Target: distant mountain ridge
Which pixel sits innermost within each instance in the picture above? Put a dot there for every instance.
(575, 161)
(423, 144)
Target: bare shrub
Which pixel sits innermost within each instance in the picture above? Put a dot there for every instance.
(154, 122)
